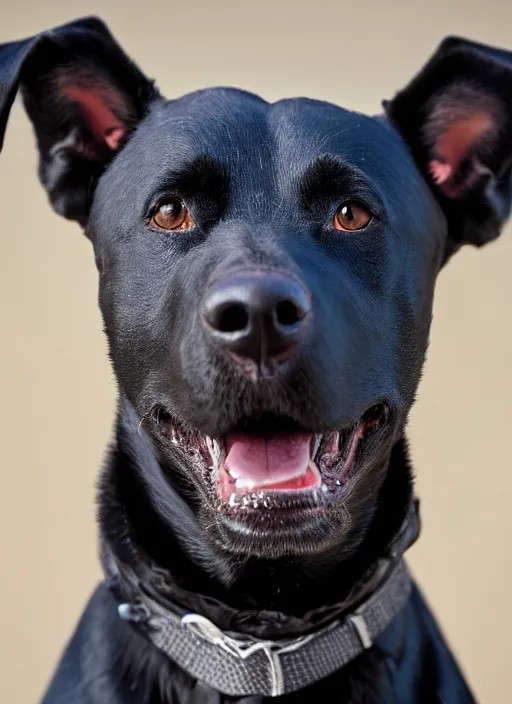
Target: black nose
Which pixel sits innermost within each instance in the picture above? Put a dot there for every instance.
(257, 317)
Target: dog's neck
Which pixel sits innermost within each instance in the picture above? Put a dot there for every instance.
(148, 527)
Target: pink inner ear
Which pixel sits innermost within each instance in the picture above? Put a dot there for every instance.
(456, 144)
(100, 119)
(440, 171)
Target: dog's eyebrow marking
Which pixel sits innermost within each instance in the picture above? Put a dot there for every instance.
(201, 177)
(330, 179)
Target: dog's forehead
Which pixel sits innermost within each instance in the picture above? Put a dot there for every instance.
(228, 124)
(262, 148)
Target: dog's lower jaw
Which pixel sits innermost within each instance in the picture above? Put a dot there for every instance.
(146, 532)
(273, 487)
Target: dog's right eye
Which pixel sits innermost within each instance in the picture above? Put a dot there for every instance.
(171, 215)
(351, 216)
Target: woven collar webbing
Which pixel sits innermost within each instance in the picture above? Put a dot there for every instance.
(242, 665)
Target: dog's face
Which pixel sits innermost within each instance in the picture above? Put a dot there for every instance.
(267, 271)
(266, 284)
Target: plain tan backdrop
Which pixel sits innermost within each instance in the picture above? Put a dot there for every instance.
(57, 391)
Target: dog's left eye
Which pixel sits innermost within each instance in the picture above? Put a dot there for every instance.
(171, 215)
(351, 216)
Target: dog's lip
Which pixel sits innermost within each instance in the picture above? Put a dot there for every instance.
(332, 457)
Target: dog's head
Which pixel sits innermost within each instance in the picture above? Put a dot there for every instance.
(267, 270)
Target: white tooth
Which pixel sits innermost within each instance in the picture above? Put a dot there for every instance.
(246, 484)
(318, 440)
(214, 449)
(315, 471)
(232, 499)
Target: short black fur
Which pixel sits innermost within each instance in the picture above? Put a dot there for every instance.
(263, 184)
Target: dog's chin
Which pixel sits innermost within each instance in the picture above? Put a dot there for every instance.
(269, 487)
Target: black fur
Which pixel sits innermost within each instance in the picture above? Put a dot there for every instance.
(262, 183)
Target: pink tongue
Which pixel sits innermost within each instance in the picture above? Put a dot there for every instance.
(263, 461)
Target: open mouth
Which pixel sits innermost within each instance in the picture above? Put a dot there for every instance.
(270, 462)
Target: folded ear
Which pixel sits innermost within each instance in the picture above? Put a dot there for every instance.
(456, 117)
(84, 97)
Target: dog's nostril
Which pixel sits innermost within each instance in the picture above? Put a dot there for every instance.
(288, 313)
(233, 318)
(257, 318)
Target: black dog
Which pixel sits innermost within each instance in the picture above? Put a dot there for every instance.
(266, 282)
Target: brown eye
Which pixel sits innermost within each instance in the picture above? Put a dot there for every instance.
(171, 215)
(351, 216)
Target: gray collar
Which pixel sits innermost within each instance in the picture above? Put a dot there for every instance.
(243, 665)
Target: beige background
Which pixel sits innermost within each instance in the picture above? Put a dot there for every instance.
(57, 392)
